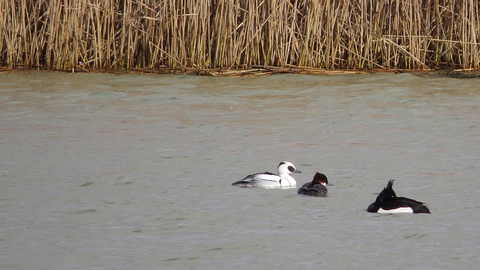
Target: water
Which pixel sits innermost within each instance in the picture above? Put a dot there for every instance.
(102, 171)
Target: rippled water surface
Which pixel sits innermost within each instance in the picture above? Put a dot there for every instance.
(102, 171)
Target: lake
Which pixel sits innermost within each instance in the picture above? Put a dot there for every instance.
(108, 171)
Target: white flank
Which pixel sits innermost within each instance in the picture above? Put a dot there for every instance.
(397, 210)
(267, 177)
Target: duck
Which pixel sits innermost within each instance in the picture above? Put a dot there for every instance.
(271, 180)
(316, 188)
(388, 202)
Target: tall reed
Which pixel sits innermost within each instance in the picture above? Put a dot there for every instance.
(226, 34)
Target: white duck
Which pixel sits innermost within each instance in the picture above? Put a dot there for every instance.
(270, 180)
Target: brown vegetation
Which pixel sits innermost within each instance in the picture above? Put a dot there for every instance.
(224, 35)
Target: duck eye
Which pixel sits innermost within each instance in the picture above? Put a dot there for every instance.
(290, 168)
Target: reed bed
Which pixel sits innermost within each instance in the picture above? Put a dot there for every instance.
(225, 35)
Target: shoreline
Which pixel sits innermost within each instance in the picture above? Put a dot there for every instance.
(258, 70)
